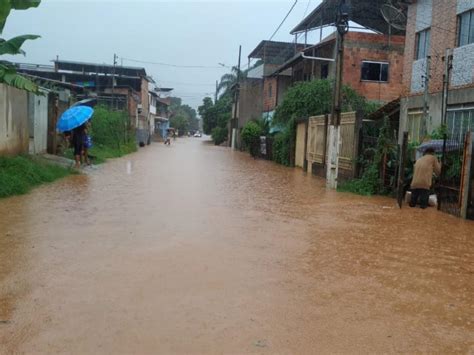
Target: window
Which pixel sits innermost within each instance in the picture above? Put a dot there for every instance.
(460, 120)
(270, 90)
(416, 126)
(423, 39)
(324, 71)
(466, 28)
(374, 71)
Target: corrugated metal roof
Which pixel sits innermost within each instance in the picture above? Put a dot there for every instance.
(84, 67)
(364, 12)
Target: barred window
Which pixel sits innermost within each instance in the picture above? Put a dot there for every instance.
(466, 28)
(423, 40)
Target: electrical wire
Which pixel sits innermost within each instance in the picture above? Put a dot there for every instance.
(306, 11)
(172, 65)
(282, 22)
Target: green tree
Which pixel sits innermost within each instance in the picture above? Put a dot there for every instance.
(205, 111)
(8, 73)
(183, 116)
(181, 123)
(312, 98)
(228, 82)
(216, 115)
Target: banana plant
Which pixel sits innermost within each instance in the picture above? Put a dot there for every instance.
(8, 73)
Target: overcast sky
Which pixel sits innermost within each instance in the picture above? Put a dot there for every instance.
(177, 32)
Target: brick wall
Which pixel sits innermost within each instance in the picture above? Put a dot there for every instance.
(410, 44)
(269, 94)
(361, 47)
(443, 36)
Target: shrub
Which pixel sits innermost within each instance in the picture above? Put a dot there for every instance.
(219, 135)
(282, 144)
(251, 137)
(312, 98)
(111, 128)
(370, 183)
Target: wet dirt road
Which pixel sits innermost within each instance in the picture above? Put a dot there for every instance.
(195, 249)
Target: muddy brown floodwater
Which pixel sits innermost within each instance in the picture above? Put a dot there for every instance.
(197, 249)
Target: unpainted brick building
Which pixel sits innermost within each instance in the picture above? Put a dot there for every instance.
(439, 52)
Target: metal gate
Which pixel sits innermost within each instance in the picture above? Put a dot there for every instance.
(454, 189)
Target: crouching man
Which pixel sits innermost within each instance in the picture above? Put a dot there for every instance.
(423, 178)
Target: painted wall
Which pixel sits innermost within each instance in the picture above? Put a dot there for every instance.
(38, 123)
(14, 136)
(300, 140)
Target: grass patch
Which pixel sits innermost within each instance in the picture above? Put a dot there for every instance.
(99, 153)
(18, 175)
(359, 187)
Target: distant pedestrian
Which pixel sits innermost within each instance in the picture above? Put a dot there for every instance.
(422, 180)
(78, 144)
(168, 137)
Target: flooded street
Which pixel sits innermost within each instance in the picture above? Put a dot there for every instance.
(197, 249)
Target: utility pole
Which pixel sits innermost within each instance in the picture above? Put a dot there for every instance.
(234, 123)
(426, 95)
(113, 81)
(217, 91)
(342, 25)
(448, 65)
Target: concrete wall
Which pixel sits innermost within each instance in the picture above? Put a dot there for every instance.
(250, 101)
(463, 66)
(14, 136)
(300, 140)
(418, 76)
(38, 123)
(464, 5)
(424, 11)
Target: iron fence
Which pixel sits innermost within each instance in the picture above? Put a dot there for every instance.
(449, 184)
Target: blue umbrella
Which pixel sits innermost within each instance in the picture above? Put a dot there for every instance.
(74, 117)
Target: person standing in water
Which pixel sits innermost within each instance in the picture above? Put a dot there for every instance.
(78, 135)
(423, 178)
(168, 138)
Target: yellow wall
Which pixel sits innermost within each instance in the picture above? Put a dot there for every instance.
(300, 138)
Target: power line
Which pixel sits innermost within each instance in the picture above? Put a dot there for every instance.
(181, 83)
(306, 11)
(172, 65)
(282, 22)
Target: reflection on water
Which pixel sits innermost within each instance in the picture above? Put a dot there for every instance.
(196, 234)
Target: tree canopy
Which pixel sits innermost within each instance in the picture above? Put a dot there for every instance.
(183, 117)
(215, 114)
(312, 98)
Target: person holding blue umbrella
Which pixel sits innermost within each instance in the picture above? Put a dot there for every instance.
(75, 119)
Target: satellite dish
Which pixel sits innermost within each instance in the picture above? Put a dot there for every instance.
(394, 16)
